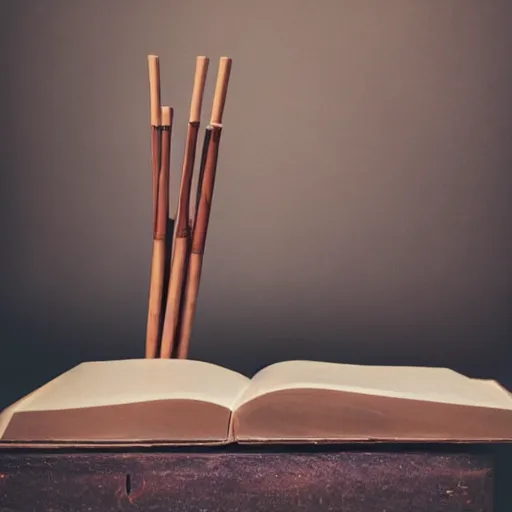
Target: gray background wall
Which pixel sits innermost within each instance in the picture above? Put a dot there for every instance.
(361, 207)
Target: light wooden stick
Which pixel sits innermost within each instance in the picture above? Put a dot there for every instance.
(203, 211)
(152, 330)
(182, 233)
(159, 236)
(221, 90)
(154, 90)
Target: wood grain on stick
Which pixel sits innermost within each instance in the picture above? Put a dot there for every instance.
(203, 210)
(181, 243)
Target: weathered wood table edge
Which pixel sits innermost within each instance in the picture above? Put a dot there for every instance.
(351, 478)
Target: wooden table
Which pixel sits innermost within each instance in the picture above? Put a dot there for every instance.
(366, 479)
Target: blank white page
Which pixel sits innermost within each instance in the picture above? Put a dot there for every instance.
(416, 383)
(107, 383)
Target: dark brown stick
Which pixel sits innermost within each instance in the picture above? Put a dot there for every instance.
(182, 233)
(156, 121)
(203, 211)
(162, 213)
(204, 152)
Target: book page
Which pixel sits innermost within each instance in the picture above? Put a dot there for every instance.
(415, 383)
(106, 383)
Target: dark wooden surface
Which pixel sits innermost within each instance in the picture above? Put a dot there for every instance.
(217, 480)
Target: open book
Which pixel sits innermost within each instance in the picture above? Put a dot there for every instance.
(175, 401)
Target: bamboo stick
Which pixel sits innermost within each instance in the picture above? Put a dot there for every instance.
(203, 210)
(153, 322)
(204, 152)
(156, 122)
(159, 237)
(182, 232)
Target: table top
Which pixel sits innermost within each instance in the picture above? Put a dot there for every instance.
(251, 479)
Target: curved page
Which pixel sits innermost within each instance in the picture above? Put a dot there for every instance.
(306, 400)
(140, 399)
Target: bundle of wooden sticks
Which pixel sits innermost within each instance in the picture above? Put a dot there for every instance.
(171, 313)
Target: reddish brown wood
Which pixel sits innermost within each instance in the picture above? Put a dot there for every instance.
(246, 481)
